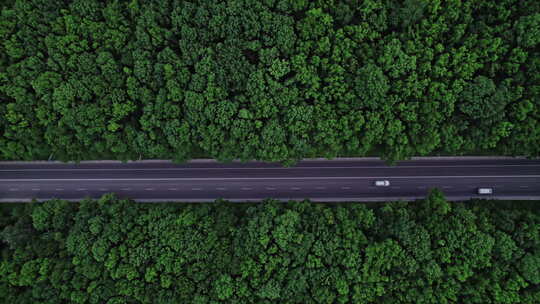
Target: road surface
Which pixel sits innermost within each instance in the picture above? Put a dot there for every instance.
(318, 180)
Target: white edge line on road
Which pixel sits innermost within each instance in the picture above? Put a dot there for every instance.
(398, 167)
(265, 178)
(316, 200)
(317, 159)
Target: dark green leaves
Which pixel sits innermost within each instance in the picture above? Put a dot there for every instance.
(430, 251)
(268, 80)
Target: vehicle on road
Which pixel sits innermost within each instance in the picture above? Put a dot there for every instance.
(485, 191)
(382, 183)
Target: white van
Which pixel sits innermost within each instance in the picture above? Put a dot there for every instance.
(485, 191)
(382, 183)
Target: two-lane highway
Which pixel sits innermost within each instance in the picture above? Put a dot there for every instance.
(318, 180)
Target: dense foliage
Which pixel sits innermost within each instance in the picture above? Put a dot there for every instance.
(273, 80)
(116, 251)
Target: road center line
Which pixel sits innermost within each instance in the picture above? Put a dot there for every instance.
(268, 178)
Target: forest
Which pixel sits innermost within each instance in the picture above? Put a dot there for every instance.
(116, 251)
(272, 80)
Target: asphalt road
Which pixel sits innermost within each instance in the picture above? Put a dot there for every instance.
(318, 180)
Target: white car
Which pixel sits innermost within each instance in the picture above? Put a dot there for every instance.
(382, 183)
(485, 191)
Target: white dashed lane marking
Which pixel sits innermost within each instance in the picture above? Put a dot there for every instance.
(125, 189)
(524, 186)
(81, 189)
(447, 187)
(295, 188)
(13, 189)
(149, 189)
(422, 187)
(246, 188)
(103, 189)
(35, 189)
(221, 188)
(59, 189)
(270, 188)
(196, 189)
(173, 189)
